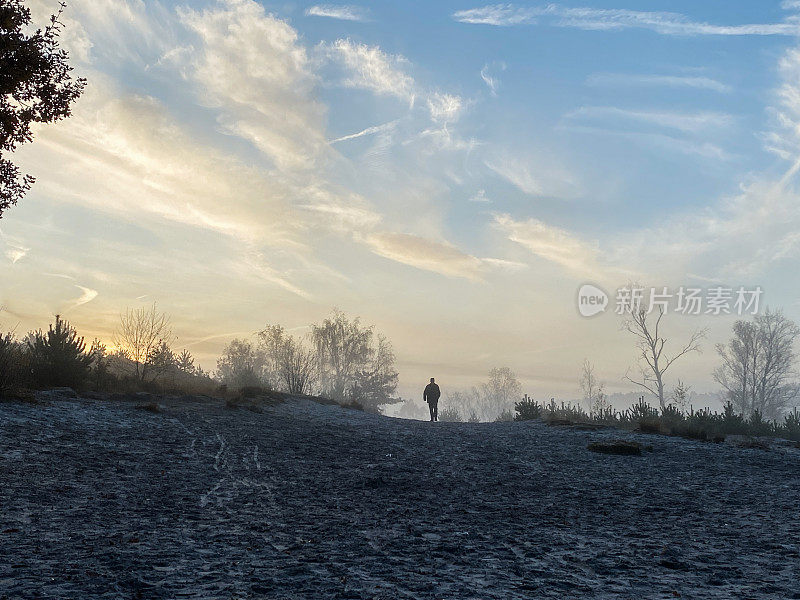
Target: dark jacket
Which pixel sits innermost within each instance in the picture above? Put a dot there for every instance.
(431, 393)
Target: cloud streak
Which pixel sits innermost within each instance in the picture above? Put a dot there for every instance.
(686, 122)
(674, 81)
(341, 12)
(596, 19)
(368, 131)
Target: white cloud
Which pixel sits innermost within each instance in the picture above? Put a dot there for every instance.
(661, 141)
(535, 176)
(370, 68)
(551, 243)
(444, 108)
(686, 122)
(251, 67)
(626, 79)
(342, 12)
(500, 15)
(368, 131)
(87, 295)
(14, 251)
(426, 254)
(665, 23)
(480, 196)
(491, 81)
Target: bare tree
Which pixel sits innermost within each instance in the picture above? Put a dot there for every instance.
(290, 363)
(489, 400)
(653, 361)
(593, 390)
(758, 365)
(502, 389)
(140, 333)
(298, 366)
(343, 346)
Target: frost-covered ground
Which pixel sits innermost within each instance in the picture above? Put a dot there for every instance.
(101, 499)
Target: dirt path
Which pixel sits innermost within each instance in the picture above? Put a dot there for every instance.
(103, 500)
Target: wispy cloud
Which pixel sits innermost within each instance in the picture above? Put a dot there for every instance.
(491, 81)
(370, 68)
(661, 141)
(261, 80)
(480, 196)
(426, 254)
(368, 131)
(665, 23)
(14, 251)
(87, 295)
(625, 79)
(682, 121)
(535, 176)
(444, 108)
(342, 12)
(551, 243)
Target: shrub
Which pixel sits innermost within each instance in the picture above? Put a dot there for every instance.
(791, 425)
(450, 414)
(10, 363)
(527, 409)
(621, 447)
(757, 426)
(504, 417)
(58, 357)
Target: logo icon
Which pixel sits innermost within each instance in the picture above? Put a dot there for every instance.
(591, 300)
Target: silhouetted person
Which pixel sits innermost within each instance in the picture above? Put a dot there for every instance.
(431, 396)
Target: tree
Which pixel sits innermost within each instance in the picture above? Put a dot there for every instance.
(680, 396)
(140, 333)
(185, 362)
(290, 363)
(653, 361)
(10, 372)
(343, 347)
(376, 381)
(36, 86)
(594, 396)
(353, 365)
(758, 365)
(161, 360)
(489, 400)
(59, 357)
(503, 387)
(241, 365)
(100, 364)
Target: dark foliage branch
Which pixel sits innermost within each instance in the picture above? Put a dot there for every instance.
(36, 86)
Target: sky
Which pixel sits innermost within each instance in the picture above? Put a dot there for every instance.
(451, 172)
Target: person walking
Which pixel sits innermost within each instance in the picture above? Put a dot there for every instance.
(431, 396)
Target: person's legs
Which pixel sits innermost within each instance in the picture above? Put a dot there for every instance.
(435, 411)
(432, 408)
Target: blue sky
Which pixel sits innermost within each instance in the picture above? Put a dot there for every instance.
(450, 171)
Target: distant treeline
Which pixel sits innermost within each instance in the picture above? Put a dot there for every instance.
(340, 358)
(142, 360)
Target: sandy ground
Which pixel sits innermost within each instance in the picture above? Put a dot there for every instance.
(103, 500)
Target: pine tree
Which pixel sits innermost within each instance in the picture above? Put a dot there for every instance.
(59, 357)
